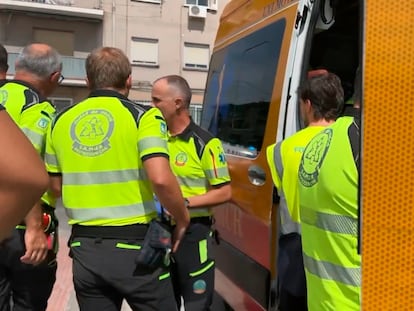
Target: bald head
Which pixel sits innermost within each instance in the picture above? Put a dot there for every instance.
(39, 59)
(178, 86)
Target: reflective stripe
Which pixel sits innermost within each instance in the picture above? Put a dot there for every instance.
(51, 159)
(110, 212)
(75, 244)
(164, 276)
(152, 142)
(329, 271)
(127, 246)
(287, 223)
(96, 178)
(330, 222)
(202, 250)
(192, 182)
(201, 271)
(277, 158)
(199, 212)
(36, 138)
(221, 172)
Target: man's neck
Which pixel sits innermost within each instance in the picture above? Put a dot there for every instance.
(321, 122)
(179, 124)
(32, 81)
(123, 91)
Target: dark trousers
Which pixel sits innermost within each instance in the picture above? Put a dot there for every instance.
(292, 280)
(192, 269)
(28, 287)
(105, 273)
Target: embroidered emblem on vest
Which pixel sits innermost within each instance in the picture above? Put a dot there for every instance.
(3, 97)
(313, 157)
(181, 159)
(90, 132)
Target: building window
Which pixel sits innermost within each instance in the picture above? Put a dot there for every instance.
(64, 41)
(195, 111)
(197, 2)
(210, 4)
(144, 52)
(196, 56)
(150, 1)
(61, 103)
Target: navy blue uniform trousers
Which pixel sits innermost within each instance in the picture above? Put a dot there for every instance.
(27, 286)
(105, 273)
(192, 268)
(292, 280)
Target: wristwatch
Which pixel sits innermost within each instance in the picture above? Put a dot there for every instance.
(186, 203)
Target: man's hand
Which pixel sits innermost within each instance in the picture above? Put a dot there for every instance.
(36, 246)
(178, 235)
(34, 238)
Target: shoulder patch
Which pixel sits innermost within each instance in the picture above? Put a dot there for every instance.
(4, 95)
(43, 122)
(163, 127)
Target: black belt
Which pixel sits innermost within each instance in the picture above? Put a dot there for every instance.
(204, 220)
(136, 231)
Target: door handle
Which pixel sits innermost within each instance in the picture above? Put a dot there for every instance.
(257, 175)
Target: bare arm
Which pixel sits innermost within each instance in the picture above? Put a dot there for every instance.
(212, 197)
(23, 177)
(35, 237)
(56, 185)
(166, 188)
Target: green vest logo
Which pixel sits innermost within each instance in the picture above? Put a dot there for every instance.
(90, 132)
(313, 157)
(181, 159)
(43, 123)
(3, 97)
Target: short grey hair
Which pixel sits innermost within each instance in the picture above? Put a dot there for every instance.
(181, 86)
(41, 63)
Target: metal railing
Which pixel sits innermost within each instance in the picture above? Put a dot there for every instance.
(58, 2)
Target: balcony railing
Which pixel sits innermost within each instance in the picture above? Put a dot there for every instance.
(65, 8)
(58, 2)
(73, 67)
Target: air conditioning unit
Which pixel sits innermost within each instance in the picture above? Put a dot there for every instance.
(198, 11)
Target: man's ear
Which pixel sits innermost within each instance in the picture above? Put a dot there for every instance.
(179, 103)
(54, 77)
(128, 83)
(87, 83)
(308, 105)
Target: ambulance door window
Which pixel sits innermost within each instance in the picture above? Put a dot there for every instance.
(239, 87)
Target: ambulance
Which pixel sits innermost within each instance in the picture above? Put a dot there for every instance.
(262, 52)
